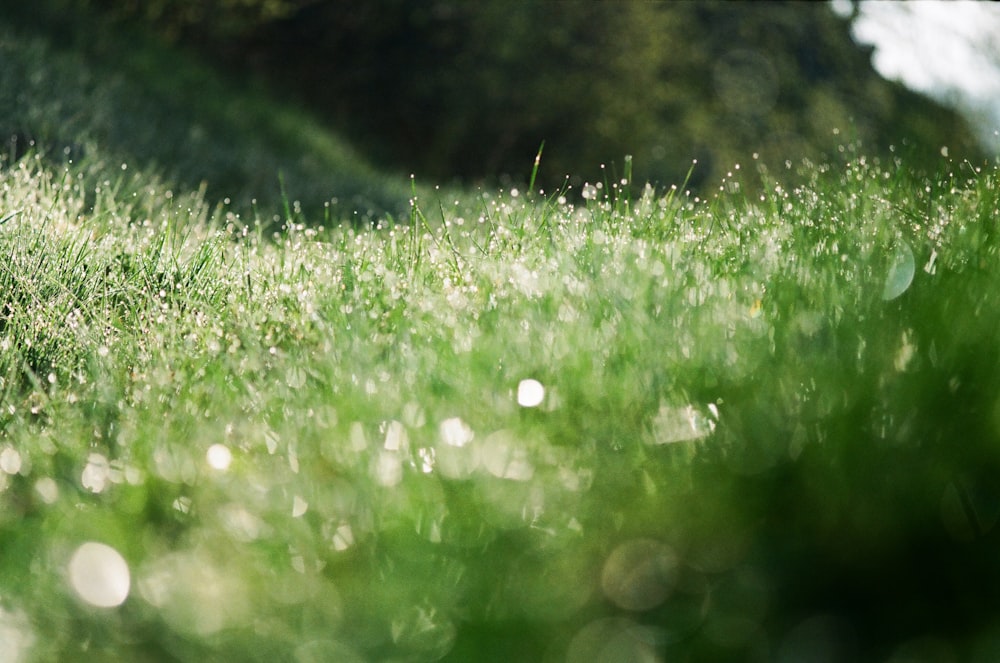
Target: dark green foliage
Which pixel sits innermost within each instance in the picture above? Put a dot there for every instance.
(75, 86)
(459, 89)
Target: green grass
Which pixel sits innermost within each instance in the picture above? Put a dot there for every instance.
(770, 426)
(74, 87)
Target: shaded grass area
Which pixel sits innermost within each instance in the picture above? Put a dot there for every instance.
(74, 87)
(769, 428)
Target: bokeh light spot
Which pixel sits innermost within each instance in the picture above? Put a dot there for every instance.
(639, 574)
(99, 575)
(395, 436)
(612, 640)
(10, 460)
(456, 432)
(504, 456)
(388, 468)
(219, 457)
(16, 636)
(97, 474)
(47, 489)
(193, 593)
(530, 393)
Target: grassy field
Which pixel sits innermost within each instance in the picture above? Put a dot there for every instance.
(645, 428)
(584, 426)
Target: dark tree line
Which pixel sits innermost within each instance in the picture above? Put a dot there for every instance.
(450, 88)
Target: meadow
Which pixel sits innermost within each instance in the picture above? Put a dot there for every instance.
(597, 424)
(610, 427)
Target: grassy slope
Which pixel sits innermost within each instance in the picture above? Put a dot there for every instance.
(795, 397)
(72, 84)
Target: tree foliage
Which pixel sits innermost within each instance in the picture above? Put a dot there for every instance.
(451, 88)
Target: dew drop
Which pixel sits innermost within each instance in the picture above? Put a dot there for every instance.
(219, 457)
(342, 537)
(900, 274)
(530, 393)
(299, 507)
(395, 436)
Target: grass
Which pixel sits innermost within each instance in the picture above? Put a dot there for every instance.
(769, 426)
(585, 426)
(75, 87)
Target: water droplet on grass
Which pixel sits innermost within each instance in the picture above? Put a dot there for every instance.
(395, 436)
(530, 393)
(99, 575)
(900, 274)
(342, 537)
(299, 507)
(219, 457)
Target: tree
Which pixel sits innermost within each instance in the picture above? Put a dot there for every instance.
(455, 89)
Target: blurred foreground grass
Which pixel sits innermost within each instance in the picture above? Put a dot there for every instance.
(514, 428)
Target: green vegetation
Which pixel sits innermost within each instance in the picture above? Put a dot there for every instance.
(603, 424)
(764, 425)
(74, 87)
(455, 89)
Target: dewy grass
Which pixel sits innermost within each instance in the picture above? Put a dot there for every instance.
(647, 428)
(121, 95)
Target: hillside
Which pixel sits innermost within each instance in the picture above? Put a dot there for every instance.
(74, 87)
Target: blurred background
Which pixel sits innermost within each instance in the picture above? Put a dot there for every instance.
(465, 92)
